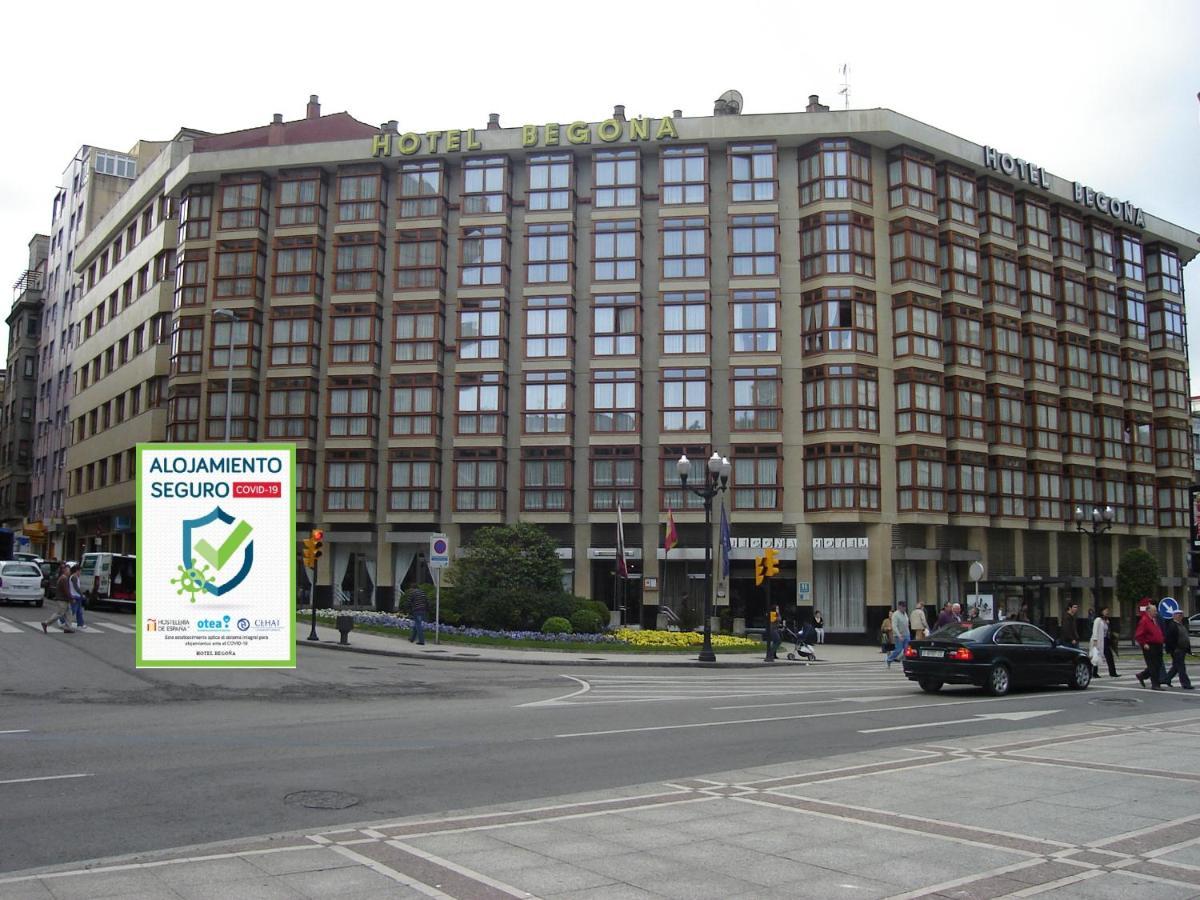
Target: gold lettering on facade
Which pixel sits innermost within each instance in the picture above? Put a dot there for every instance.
(528, 135)
(579, 133)
(666, 128)
(453, 140)
(639, 129)
(381, 145)
(409, 143)
(552, 134)
(609, 130)
(472, 144)
(431, 141)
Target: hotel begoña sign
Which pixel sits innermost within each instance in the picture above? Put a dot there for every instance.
(553, 134)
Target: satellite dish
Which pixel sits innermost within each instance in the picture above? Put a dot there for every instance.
(733, 101)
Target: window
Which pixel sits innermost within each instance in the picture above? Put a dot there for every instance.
(354, 338)
(615, 475)
(1073, 304)
(1068, 235)
(480, 328)
(1034, 219)
(966, 482)
(546, 479)
(1163, 271)
(295, 336)
(191, 279)
(1167, 329)
(353, 407)
(1169, 379)
(547, 403)
(1134, 322)
(916, 326)
(1074, 361)
(1040, 352)
(684, 175)
(1173, 503)
(919, 402)
(422, 188)
(836, 243)
(1080, 482)
(416, 331)
(1006, 415)
(478, 478)
(242, 337)
(299, 264)
(616, 324)
(1042, 412)
(484, 256)
(914, 251)
(964, 405)
(183, 413)
(413, 480)
(1172, 445)
(360, 196)
(416, 405)
(1079, 426)
(1111, 434)
(485, 185)
(349, 480)
(956, 196)
(841, 398)
(910, 179)
(959, 259)
(756, 398)
(671, 496)
(1045, 483)
(841, 476)
(115, 164)
(1136, 375)
(549, 182)
(920, 479)
(1037, 288)
(962, 335)
(549, 254)
(187, 346)
(241, 270)
(684, 399)
(548, 327)
(1100, 249)
(420, 259)
(1000, 277)
(243, 205)
(292, 408)
(753, 242)
(756, 477)
(243, 406)
(752, 172)
(997, 211)
(754, 319)
(1006, 486)
(1103, 298)
(615, 256)
(835, 169)
(616, 399)
(617, 178)
(1142, 494)
(1108, 369)
(838, 319)
(1002, 339)
(685, 248)
(480, 399)
(359, 263)
(299, 200)
(685, 322)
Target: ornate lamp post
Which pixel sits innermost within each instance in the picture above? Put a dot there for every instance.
(1102, 520)
(718, 481)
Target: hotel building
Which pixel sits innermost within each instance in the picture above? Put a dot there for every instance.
(915, 351)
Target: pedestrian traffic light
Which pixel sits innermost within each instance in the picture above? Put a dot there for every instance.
(759, 570)
(770, 562)
(312, 547)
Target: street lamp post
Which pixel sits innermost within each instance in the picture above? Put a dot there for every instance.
(1102, 520)
(232, 316)
(718, 481)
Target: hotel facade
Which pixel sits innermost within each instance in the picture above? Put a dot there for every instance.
(915, 351)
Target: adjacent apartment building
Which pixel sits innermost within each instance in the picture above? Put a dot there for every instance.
(916, 351)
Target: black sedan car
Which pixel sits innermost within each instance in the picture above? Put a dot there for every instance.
(997, 657)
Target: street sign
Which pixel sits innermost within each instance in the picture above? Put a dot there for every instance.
(803, 591)
(439, 551)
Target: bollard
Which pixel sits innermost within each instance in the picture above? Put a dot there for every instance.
(345, 624)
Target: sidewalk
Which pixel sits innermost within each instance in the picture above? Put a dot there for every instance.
(382, 645)
(1000, 815)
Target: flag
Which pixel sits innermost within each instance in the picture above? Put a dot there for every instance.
(671, 541)
(726, 543)
(622, 568)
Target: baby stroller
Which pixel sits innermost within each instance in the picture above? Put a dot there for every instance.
(803, 636)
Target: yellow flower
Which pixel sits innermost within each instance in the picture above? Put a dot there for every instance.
(646, 638)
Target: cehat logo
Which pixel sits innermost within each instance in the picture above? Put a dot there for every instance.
(234, 553)
(243, 624)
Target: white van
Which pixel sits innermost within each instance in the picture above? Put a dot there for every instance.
(109, 578)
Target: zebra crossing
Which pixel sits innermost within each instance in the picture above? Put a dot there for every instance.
(11, 625)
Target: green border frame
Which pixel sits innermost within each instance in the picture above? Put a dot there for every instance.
(290, 662)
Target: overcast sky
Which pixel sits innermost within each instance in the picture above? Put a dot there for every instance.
(1100, 92)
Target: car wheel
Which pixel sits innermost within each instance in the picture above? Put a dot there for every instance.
(1082, 676)
(930, 685)
(999, 680)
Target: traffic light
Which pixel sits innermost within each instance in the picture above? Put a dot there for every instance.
(759, 570)
(770, 562)
(312, 547)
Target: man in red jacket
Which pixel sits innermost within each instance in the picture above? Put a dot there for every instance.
(1149, 637)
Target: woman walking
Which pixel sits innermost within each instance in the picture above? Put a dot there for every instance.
(1098, 647)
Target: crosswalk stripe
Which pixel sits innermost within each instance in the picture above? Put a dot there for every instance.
(113, 626)
(7, 627)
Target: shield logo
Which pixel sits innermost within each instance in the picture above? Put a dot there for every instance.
(223, 557)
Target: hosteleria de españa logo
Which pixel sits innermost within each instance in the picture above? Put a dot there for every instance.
(216, 545)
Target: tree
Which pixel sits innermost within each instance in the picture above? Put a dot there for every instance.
(509, 578)
(1137, 577)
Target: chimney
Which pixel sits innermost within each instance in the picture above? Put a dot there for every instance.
(619, 112)
(277, 119)
(493, 121)
(677, 113)
(815, 104)
(314, 107)
(390, 127)
(275, 130)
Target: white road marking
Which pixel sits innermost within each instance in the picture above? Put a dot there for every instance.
(48, 778)
(7, 627)
(16, 731)
(806, 702)
(113, 626)
(1012, 717)
(585, 687)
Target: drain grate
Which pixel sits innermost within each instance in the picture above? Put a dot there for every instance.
(321, 799)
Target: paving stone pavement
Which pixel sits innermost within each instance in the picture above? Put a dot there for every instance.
(1060, 812)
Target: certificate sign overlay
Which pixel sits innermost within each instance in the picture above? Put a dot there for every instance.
(216, 555)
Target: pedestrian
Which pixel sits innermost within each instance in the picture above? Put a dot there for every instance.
(418, 608)
(1068, 633)
(1109, 641)
(945, 617)
(62, 602)
(900, 633)
(774, 639)
(918, 623)
(885, 635)
(1149, 637)
(77, 599)
(1179, 644)
(819, 626)
(1097, 643)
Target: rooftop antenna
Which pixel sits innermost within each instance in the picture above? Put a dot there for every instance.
(844, 71)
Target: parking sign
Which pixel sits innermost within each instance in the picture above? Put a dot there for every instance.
(439, 551)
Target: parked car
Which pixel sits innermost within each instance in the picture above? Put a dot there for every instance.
(1194, 625)
(109, 578)
(997, 656)
(27, 557)
(21, 582)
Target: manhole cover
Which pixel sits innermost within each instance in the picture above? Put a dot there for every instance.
(321, 799)
(1118, 701)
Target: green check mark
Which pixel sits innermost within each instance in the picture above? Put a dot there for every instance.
(229, 546)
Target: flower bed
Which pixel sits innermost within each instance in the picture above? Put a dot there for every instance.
(389, 620)
(668, 639)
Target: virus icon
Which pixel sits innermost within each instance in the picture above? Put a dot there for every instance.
(191, 579)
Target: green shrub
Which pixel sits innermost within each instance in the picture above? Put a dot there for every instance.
(585, 621)
(450, 614)
(556, 625)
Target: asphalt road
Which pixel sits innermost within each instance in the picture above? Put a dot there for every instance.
(99, 759)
